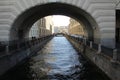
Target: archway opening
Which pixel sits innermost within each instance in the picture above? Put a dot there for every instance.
(57, 24)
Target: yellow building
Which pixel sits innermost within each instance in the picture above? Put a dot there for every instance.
(49, 24)
(75, 28)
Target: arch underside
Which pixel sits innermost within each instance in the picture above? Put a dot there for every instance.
(25, 21)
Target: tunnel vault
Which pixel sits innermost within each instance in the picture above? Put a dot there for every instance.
(23, 23)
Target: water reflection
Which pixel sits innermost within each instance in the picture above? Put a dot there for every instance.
(58, 60)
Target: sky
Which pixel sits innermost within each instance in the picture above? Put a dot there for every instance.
(59, 20)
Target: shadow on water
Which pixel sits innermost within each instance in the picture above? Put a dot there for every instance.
(58, 60)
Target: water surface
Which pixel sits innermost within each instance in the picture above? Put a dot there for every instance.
(58, 60)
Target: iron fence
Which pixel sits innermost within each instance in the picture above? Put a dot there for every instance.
(17, 45)
(107, 51)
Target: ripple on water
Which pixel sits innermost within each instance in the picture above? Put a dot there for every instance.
(58, 60)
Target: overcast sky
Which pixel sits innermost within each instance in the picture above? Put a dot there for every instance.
(60, 20)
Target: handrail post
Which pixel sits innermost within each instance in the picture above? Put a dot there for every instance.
(114, 59)
(99, 49)
(85, 41)
(91, 44)
(7, 49)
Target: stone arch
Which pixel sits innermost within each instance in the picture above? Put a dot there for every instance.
(24, 21)
(101, 11)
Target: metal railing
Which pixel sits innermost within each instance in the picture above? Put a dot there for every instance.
(113, 53)
(17, 45)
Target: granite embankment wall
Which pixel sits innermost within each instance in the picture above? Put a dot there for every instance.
(11, 59)
(103, 62)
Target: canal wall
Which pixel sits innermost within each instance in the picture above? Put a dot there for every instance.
(110, 67)
(11, 59)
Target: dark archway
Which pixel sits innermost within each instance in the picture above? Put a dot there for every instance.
(25, 20)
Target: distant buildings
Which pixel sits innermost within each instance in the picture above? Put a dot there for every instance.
(56, 29)
(49, 24)
(34, 31)
(60, 29)
(42, 27)
(75, 28)
(45, 26)
(63, 29)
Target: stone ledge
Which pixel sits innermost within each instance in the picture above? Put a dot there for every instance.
(103, 62)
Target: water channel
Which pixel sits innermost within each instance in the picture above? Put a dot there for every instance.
(58, 60)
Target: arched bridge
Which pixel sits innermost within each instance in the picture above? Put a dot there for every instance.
(98, 17)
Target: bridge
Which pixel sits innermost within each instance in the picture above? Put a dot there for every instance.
(18, 16)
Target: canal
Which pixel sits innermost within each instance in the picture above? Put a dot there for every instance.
(58, 60)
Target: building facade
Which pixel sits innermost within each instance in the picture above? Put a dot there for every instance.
(56, 29)
(42, 27)
(34, 32)
(75, 28)
(63, 29)
(49, 25)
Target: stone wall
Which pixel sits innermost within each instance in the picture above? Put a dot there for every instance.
(112, 69)
(10, 60)
(100, 11)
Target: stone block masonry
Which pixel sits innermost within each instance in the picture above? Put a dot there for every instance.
(103, 62)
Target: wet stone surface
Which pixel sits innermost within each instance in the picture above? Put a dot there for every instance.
(58, 60)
